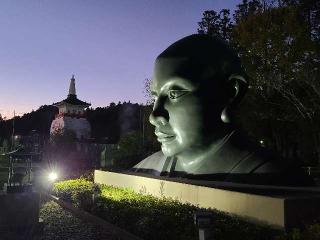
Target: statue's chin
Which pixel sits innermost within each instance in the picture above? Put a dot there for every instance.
(168, 152)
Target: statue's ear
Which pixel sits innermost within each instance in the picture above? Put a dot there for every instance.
(237, 86)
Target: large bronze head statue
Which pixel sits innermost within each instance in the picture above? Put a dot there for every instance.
(197, 83)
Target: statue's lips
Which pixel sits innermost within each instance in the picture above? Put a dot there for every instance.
(164, 137)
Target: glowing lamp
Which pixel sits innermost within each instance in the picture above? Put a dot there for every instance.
(53, 176)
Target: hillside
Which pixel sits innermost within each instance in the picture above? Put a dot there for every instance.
(108, 123)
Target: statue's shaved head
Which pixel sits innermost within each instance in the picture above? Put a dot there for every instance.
(207, 58)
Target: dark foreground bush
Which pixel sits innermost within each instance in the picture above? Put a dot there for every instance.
(310, 232)
(154, 218)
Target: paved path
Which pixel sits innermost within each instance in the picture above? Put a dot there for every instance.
(60, 224)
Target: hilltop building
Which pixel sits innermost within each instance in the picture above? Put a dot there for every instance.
(71, 115)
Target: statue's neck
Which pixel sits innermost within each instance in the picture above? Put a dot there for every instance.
(190, 161)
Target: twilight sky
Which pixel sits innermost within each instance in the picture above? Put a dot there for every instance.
(109, 45)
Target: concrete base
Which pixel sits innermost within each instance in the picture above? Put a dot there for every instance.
(280, 207)
(19, 210)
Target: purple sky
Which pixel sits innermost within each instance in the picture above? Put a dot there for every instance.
(109, 45)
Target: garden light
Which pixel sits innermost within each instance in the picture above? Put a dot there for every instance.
(203, 220)
(53, 176)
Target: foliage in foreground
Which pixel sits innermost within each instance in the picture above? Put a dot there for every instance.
(154, 218)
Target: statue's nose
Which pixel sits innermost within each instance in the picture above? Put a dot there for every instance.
(159, 115)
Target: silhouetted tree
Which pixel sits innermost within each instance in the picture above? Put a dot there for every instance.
(278, 42)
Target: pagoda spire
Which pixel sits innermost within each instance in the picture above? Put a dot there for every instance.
(72, 87)
(71, 115)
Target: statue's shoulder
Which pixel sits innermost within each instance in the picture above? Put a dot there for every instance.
(252, 157)
(150, 160)
(257, 161)
(266, 168)
(151, 164)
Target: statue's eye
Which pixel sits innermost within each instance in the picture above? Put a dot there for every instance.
(174, 94)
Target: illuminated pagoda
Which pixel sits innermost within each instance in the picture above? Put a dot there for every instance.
(71, 116)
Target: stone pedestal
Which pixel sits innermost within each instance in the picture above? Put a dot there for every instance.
(280, 207)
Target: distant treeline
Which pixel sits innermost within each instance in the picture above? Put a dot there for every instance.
(108, 124)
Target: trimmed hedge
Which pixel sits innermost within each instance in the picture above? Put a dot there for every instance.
(153, 218)
(145, 215)
(77, 191)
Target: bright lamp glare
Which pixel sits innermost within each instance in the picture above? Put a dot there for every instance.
(53, 176)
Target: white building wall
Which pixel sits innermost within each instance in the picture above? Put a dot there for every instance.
(80, 126)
